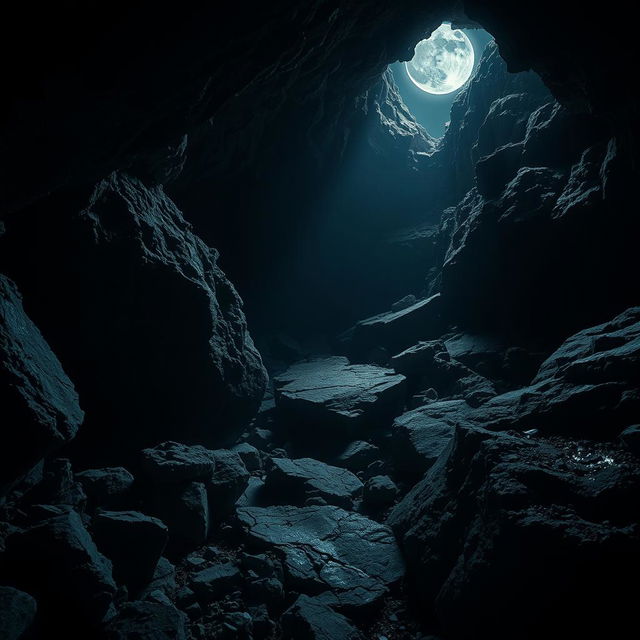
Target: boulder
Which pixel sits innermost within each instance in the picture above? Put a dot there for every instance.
(184, 508)
(133, 542)
(105, 486)
(58, 562)
(215, 581)
(396, 330)
(147, 621)
(176, 357)
(503, 523)
(379, 492)
(293, 481)
(250, 456)
(421, 435)
(324, 548)
(58, 486)
(17, 612)
(176, 462)
(39, 402)
(310, 619)
(228, 483)
(333, 395)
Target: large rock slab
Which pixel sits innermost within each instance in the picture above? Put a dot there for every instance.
(150, 324)
(502, 522)
(58, 563)
(325, 548)
(397, 330)
(293, 481)
(332, 394)
(39, 404)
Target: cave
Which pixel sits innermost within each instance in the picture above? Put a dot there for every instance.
(294, 349)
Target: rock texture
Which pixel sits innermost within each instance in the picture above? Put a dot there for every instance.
(294, 481)
(337, 396)
(17, 611)
(176, 312)
(39, 402)
(328, 549)
(61, 549)
(540, 524)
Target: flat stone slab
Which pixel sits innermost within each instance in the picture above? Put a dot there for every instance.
(325, 548)
(293, 481)
(397, 330)
(330, 392)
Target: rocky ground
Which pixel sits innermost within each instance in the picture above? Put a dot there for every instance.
(439, 502)
(463, 463)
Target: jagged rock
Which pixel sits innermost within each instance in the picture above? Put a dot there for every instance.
(326, 548)
(178, 313)
(58, 485)
(147, 621)
(265, 590)
(631, 438)
(213, 582)
(358, 455)
(164, 577)
(58, 562)
(310, 619)
(417, 359)
(176, 462)
(396, 330)
(35, 392)
(501, 522)
(262, 625)
(430, 365)
(421, 435)
(404, 303)
(482, 353)
(293, 481)
(17, 612)
(228, 483)
(379, 492)
(133, 542)
(253, 495)
(250, 456)
(184, 509)
(105, 486)
(332, 394)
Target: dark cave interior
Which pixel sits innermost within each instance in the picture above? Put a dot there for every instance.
(277, 362)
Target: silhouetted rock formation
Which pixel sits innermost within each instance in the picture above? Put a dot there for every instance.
(39, 402)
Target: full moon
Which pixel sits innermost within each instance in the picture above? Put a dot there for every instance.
(442, 63)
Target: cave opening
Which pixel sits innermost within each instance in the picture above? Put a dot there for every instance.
(293, 349)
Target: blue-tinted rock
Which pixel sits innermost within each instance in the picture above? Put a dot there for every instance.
(105, 486)
(311, 619)
(17, 612)
(325, 548)
(176, 462)
(147, 621)
(331, 394)
(133, 542)
(35, 392)
(214, 582)
(58, 562)
(293, 481)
